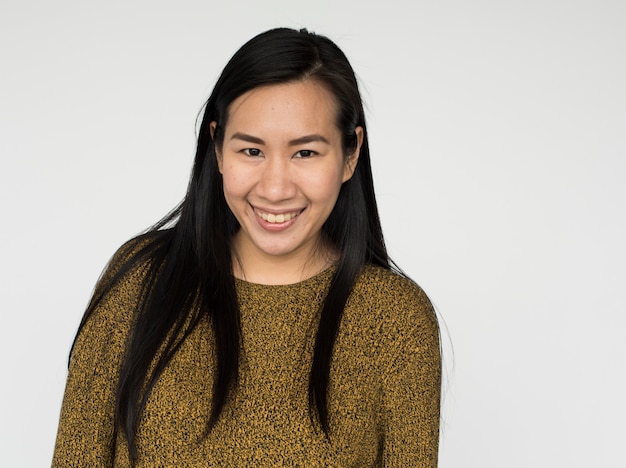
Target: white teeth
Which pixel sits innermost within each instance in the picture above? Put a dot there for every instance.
(279, 218)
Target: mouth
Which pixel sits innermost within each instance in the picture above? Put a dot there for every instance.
(277, 218)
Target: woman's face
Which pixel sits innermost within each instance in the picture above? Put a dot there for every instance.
(283, 165)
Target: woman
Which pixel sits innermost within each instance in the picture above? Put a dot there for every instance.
(261, 324)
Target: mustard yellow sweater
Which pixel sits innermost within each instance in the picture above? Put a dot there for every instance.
(383, 396)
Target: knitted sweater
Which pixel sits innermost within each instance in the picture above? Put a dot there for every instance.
(383, 396)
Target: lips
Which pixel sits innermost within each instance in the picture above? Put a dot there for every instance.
(276, 218)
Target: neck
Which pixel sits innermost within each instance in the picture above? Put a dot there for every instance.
(257, 267)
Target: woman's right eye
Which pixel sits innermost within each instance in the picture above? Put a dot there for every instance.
(252, 152)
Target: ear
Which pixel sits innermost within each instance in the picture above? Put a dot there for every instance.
(218, 153)
(353, 158)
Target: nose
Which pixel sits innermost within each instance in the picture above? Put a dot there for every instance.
(276, 180)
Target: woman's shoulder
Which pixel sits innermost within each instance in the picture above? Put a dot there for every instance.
(386, 286)
(133, 252)
(391, 301)
(129, 264)
(120, 284)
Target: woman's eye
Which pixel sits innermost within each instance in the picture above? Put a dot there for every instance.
(305, 153)
(252, 152)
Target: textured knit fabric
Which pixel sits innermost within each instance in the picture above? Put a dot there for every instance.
(383, 394)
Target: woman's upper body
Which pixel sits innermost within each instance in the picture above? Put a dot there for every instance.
(383, 397)
(261, 323)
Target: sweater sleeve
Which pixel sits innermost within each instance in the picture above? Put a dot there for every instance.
(86, 435)
(411, 390)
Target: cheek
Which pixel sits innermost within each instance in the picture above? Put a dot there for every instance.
(325, 186)
(235, 184)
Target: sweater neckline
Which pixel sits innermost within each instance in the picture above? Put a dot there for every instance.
(321, 277)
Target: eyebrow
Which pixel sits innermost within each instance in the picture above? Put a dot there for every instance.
(298, 141)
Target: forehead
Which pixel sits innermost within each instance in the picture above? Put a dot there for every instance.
(298, 106)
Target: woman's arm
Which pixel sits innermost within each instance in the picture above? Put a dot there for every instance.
(411, 392)
(86, 433)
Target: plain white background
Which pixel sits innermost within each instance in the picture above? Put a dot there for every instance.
(498, 141)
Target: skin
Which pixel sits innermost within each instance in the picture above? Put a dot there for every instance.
(282, 160)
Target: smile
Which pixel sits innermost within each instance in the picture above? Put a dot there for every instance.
(276, 218)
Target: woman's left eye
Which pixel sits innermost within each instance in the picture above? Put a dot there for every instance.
(305, 153)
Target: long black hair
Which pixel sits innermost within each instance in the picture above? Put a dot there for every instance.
(187, 256)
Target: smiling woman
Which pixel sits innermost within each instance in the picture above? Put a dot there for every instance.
(262, 322)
